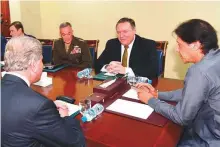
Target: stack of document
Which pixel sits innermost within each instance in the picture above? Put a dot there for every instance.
(134, 109)
(132, 93)
(44, 80)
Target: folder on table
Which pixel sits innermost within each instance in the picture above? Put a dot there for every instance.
(54, 68)
(104, 76)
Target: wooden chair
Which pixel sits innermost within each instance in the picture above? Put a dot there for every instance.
(161, 50)
(93, 48)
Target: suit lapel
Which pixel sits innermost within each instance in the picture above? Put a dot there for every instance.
(118, 51)
(133, 53)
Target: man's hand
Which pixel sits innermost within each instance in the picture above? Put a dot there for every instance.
(116, 67)
(144, 96)
(148, 88)
(62, 108)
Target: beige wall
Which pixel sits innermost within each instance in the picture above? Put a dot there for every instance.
(96, 20)
(28, 12)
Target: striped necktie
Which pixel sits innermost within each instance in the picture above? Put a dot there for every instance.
(125, 57)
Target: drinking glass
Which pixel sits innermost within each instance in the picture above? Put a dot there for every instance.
(132, 80)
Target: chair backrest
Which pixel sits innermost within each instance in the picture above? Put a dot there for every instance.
(47, 45)
(93, 48)
(161, 50)
(47, 53)
(46, 41)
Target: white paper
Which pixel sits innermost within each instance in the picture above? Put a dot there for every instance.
(2, 62)
(105, 85)
(44, 81)
(71, 107)
(109, 74)
(131, 108)
(132, 93)
(3, 73)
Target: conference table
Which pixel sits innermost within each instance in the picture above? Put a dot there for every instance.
(111, 130)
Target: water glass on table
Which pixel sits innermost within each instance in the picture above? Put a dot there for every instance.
(132, 80)
(84, 104)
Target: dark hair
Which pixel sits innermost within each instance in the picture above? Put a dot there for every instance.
(126, 19)
(198, 30)
(17, 25)
(65, 24)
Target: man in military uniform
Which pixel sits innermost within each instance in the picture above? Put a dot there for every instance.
(70, 49)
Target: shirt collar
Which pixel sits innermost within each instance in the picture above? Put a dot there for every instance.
(131, 44)
(20, 76)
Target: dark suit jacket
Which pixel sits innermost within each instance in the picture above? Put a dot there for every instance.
(31, 120)
(143, 58)
(60, 56)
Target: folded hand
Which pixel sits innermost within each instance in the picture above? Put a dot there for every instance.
(62, 108)
(148, 88)
(146, 92)
(116, 68)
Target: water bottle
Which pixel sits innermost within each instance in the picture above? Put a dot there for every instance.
(93, 112)
(149, 81)
(85, 73)
(143, 80)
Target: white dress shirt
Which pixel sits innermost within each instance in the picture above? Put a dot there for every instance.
(20, 76)
(128, 70)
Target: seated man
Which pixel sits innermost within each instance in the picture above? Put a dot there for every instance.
(129, 53)
(16, 29)
(70, 49)
(198, 103)
(29, 118)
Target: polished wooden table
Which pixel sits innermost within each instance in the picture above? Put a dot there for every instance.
(110, 129)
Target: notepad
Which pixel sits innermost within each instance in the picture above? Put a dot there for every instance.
(73, 109)
(134, 109)
(132, 93)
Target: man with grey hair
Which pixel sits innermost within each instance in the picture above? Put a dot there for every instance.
(29, 118)
(70, 49)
